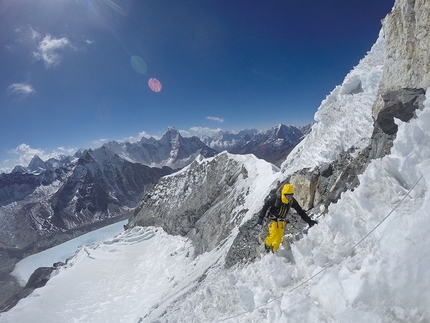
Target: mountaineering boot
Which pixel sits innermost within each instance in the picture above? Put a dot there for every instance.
(268, 249)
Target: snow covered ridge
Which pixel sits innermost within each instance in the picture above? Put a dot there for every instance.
(207, 200)
(344, 118)
(177, 151)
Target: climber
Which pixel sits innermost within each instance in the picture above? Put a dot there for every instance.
(276, 209)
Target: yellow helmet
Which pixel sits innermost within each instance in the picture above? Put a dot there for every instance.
(286, 190)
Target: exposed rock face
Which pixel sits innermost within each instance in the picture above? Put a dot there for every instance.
(407, 35)
(207, 202)
(399, 104)
(202, 202)
(305, 183)
(99, 187)
(38, 279)
(319, 187)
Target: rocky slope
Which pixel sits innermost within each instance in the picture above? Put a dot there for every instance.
(206, 200)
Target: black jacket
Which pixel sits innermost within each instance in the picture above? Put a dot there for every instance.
(279, 210)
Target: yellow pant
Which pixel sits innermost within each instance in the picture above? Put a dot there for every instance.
(276, 232)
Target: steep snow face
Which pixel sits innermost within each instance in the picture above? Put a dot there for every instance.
(344, 118)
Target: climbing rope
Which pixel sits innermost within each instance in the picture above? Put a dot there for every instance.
(333, 261)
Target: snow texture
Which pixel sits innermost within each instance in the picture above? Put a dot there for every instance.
(344, 118)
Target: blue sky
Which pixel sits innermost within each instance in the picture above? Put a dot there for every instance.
(75, 73)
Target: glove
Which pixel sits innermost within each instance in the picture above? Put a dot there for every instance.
(312, 223)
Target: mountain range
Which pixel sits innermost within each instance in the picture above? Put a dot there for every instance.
(192, 250)
(49, 202)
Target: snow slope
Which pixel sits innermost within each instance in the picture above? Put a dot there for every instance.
(344, 118)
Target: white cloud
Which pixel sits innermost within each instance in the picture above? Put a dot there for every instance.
(137, 138)
(199, 132)
(47, 50)
(217, 119)
(65, 151)
(98, 142)
(20, 89)
(34, 35)
(24, 153)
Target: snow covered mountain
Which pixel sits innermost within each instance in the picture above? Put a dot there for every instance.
(175, 151)
(272, 145)
(172, 150)
(50, 202)
(191, 251)
(58, 195)
(50, 197)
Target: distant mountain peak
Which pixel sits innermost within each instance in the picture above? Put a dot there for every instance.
(172, 129)
(36, 163)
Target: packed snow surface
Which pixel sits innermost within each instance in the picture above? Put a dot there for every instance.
(27, 266)
(366, 261)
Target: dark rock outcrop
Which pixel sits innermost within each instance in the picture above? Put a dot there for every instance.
(38, 279)
(399, 104)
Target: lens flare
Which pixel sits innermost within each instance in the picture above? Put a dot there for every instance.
(138, 64)
(154, 85)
